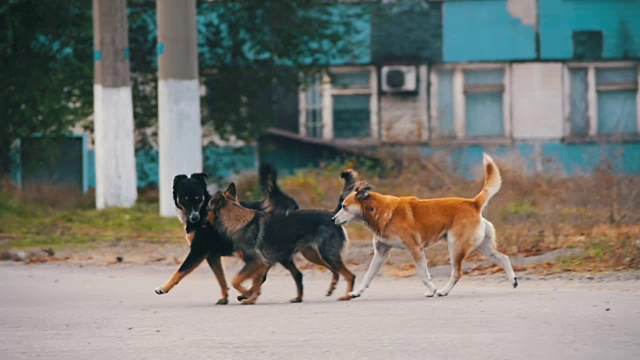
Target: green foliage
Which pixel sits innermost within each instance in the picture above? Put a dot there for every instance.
(46, 61)
(259, 48)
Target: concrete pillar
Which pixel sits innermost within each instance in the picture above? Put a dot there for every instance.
(116, 182)
(179, 129)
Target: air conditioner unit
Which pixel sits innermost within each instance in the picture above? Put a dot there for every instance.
(398, 79)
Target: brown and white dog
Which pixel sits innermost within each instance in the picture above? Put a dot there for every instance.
(412, 224)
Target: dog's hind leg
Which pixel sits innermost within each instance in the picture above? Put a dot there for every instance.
(297, 277)
(313, 256)
(216, 265)
(196, 255)
(488, 248)
(258, 276)
(381, 254)
(333, 257)
(248, 271)
(456, 255)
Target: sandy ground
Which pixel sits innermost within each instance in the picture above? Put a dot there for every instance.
(68, 311)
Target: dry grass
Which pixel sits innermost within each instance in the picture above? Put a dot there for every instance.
(533, 214)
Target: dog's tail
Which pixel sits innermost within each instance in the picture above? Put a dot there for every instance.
(492, 182)
(350, 178)
(268, 177)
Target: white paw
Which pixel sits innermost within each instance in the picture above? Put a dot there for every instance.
(159, 291)
(430, 293)
(355, 294)
(441, 293)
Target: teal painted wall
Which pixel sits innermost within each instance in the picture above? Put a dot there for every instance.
(219, 163)
(484, 31)
(559, 18)
(557, 158)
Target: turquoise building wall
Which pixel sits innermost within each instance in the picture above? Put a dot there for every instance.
(485, 31)
(560, 18)
(555, 157)
(218, 162)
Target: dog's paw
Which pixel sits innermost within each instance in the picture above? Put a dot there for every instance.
(515, 283)
(441, 293)
(354, 294)
(430, 293)
(223, 301)
(345, 298)
(242, 297)
(159, 291)
(295, 300)
(248, 301)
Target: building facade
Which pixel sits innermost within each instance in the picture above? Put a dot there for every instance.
(554, 81)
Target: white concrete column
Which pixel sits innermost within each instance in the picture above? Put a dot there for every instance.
(179, 135)
(179, 128)
(115, 162)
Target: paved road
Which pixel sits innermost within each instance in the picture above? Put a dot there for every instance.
(63, 311)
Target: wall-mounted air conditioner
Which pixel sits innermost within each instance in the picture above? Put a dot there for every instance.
(399, 79)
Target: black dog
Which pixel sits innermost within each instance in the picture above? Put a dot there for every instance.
(264, 239)
(191, 198)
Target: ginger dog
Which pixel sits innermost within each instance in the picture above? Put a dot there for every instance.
(412, 223)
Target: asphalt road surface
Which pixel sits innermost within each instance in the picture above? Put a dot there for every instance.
(63, 311)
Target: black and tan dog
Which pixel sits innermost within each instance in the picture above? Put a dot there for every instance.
(265, 239)
(279, 202)
(191, 198)
(205, 242)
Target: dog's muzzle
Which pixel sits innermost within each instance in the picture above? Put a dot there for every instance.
(194, 217)
(338, 222)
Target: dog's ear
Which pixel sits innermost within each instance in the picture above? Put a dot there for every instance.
(231, 191)
(201, 178)
(362, 191)
(177, 180)
(216, 200)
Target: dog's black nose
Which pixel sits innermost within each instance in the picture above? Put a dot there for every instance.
(194, 217)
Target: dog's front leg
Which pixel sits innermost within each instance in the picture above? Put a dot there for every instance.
(381, 254)
(195, 257)
(423, 271)
(216, 265)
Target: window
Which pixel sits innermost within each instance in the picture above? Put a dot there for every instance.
(313, 100)
(483, 91)
(603, 100)
(351, 116)
(349, 90)
(579, 112)
(617, 111)
(587, 45)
